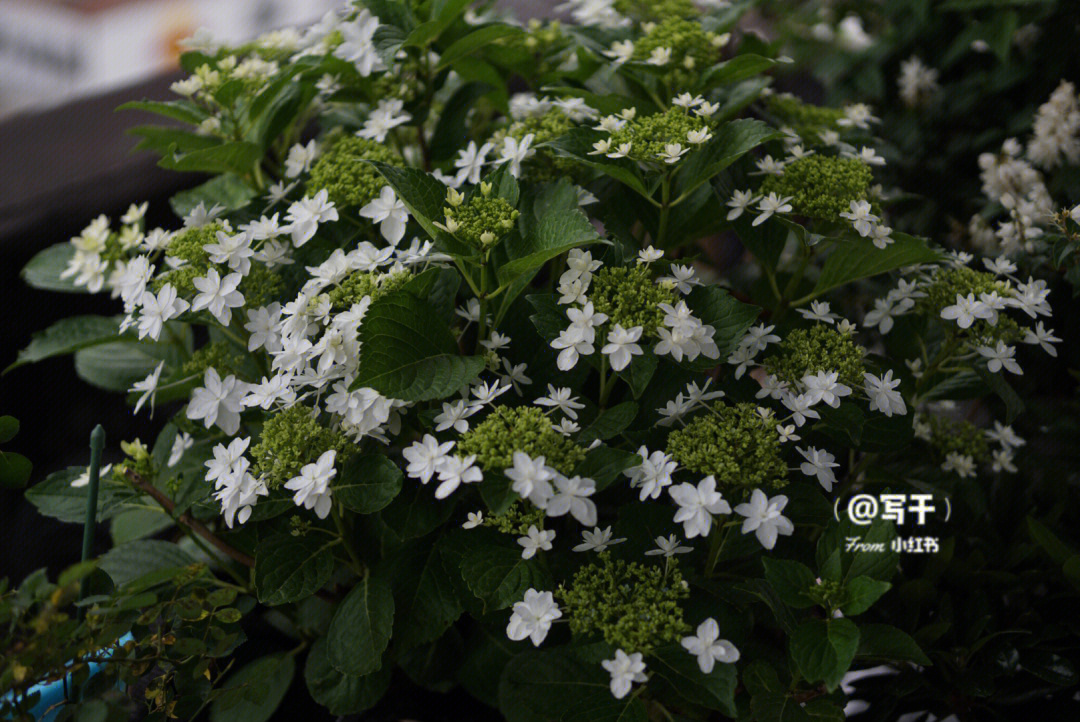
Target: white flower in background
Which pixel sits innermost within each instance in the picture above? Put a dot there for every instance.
(709, 649)
(597, 540)
(659, 57)
(424, 457)
(1000, 356)
(818, 311)
(883, 394)
(649, 255)
(799, 406)
(572, 495)
(238, 494)
(388, 114)
(917, 81)
(621, 51)
(262, 325)
(1003, 460)
(668, 546)
(787, 433)
(225, 459)
(682, 279)
(200, 215)
(672, 153)
(148, 387)
(181, 443)
(531, 478)
(962, 464)
(470, 162)
(1004, 435)
(532, 617)
(218, 401)
(473, 520)
(1031, 298)
(881, 235)
(764, 517)
(819, 464)
(358, 43)
(389, 212)
(1042, 338)
(454, 471)
(312, 487)
(625, 669)
(218, 295)
(300, 158)
(515, 152)
(535, 540)
(156, 310)
(83, 479)
(622, 345)
(653, 474)
(304, 216)
(455, 416)
(697, 506)
(562, 400)
(514, 374)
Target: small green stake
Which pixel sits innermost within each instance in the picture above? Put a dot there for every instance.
(97, 444)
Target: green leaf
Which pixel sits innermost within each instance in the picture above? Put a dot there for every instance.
(230, 157)
(289, 569)
(339, 693)
(790, 580)
(44, 269)
(9, 428)
(15, 470)
(729, 143)
(229, 191)
(729, 317)
(600, 706)
(559, 226)
(546, 684)
(769, 699)
(422, 193)
(368, 483)
(443, 14)
(873, 431)
(67, 336)
(1050, 543)
(129, 562)
(603, 464)
(715, 690)
(253, 693)
(56, 497)
(138, 524)
(468, 44)
(408, 352)
(741, 67)
(425, 582)
(859, 258)
(416, 512)
(823, 649)
(360, 629)
(451, 131)
(578, 143)
(499, 577)
(1014, 405)
(183, 110)
(882, 641)
(610, 422)
(862, 592)
(115, 366)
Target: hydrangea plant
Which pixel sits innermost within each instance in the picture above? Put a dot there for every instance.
(455, 368)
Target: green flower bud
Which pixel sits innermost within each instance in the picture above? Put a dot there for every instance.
(818, 348)
(734, 444)
(822, 186)
(348, 181)
(519, 428)
(290, 440)
(632, 606)
(630, 297)
(805, 119)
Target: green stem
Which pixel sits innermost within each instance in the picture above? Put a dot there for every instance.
(358, 566)
(717, 540)
(793, 283)
(665, 210)
(605, 389)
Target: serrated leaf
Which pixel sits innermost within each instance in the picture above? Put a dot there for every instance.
(851, 260)
(790, 580)
(609, 422)
(229, 191)
(603, 464)
(546, 684)
(862, 592)
(470, 43)
(882, 641)
(44, 269)
(426, 596)
(117, 365)
(230, 157)
(728, 316)
(360, 629)
(289, 569)
(741, 67)
(499, 577)
(368, 483)
(715, 690)
(56, 497)
(1014, 405)
(578, 143)
(824, 648)
(339, 693)
(129, 562)
(422, 193)
(68, 336)
(253, 693)
(183, 110)
(407, 352)
(729, 143)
